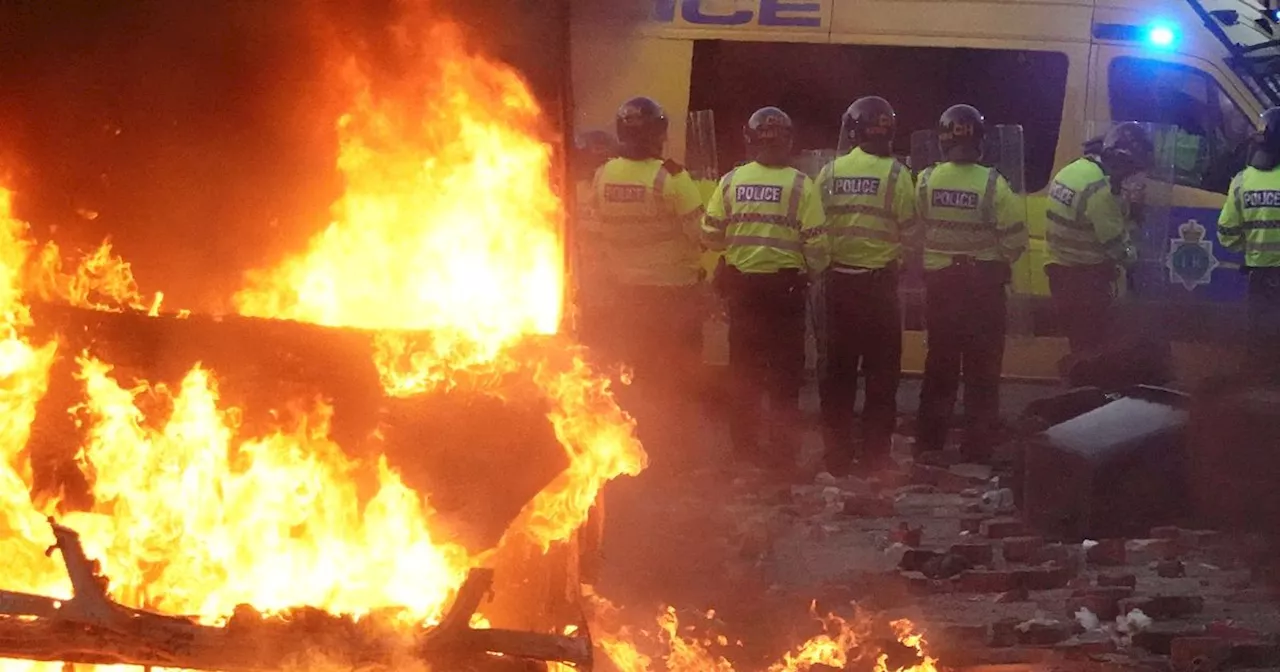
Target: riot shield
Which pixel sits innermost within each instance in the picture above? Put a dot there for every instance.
(702, 162)
(1155, 238)
(817, 163)
(925, 150)
(700, 146)
(1003, 150)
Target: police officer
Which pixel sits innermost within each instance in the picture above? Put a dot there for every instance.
(973, 230)
(645, 309)
(869, 199)
(767, 217)
(1087, 232)
(1250, 224)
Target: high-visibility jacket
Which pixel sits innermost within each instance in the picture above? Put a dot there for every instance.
(767, 219)
(870, 206)
(643, 222)
(1085, 222)
(1250, 220)
(968, 210)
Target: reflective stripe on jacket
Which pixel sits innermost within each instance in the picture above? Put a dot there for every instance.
(1085, 222)
(969, 210)
(870, 206)
(644, 219)
(767, 219)
(1250, 220)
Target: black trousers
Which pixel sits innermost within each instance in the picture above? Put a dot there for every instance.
(657, 332)
(965, 317)
(864, 332)
(766, 363)
(1264, 323)
(1082, 301)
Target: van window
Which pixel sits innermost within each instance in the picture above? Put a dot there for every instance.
(1212, 133)
(815, 83)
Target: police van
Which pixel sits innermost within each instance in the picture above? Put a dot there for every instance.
(1198, 71)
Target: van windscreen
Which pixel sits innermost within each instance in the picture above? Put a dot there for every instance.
(814, 83)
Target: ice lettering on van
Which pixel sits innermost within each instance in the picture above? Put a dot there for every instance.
(954, 198)
(1265, 198)
(624, 193)
(758, 193)
(802, 14)
(771, 13)
(856, 186)
(1062, 194)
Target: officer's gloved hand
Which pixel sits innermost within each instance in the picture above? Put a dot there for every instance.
(1130, 256)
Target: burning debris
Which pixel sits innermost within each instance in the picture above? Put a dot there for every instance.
(91, 628)
(857, 643)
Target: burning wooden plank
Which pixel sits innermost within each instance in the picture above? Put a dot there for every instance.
(92, 629)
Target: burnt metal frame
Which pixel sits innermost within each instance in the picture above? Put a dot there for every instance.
(162, 639)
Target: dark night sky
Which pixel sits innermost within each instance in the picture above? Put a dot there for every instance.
(199, 130)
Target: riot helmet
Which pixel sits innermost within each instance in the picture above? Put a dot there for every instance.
(1127, 150)
(769, 135)
(869, 123)
(960, 132)
(642, 128)
(1266, 143)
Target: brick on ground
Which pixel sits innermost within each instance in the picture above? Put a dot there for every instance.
(1021, 549)
(1158, 637)
(1107, 553)
(1147, 551)
(1003, 527)
(1106, 580)
(1198, 654)
(1165, 607)
(977, 552)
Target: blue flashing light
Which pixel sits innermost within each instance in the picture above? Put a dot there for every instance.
(1161, 36)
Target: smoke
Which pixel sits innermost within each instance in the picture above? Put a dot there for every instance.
(610, 16)
(199, 135)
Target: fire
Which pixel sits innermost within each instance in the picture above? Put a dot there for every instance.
(24, 378)
(207, 522)
(101, 280)
(449, 224)
(690, 653)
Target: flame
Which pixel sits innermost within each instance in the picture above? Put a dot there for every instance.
(101, 280)
(449, 225)
(276, 520)
(689, 653)
(447, 241)
(24, 378)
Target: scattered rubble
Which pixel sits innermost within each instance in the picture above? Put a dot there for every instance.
(939, 544)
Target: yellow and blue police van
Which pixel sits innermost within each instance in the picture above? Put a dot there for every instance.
(1062, 70)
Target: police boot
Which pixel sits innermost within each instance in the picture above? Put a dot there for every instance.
(931, 435)
(875, 456)
(785, 439)
(838, 451)
(979, 443)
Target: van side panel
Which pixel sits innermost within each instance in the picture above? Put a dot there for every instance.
(992, 21)
(608, 69)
